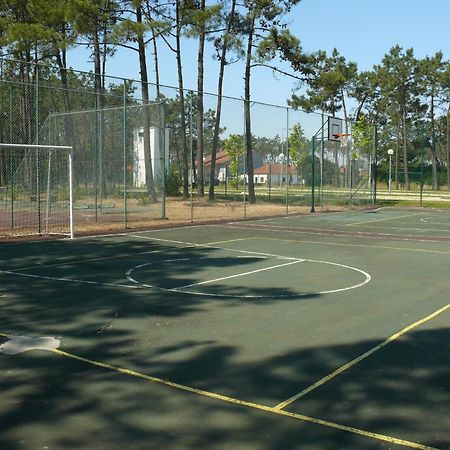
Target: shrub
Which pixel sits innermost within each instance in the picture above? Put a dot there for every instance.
(173, 183)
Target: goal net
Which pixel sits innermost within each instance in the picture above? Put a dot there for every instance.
(36, 196)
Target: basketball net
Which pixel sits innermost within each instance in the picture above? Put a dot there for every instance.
(344, 138)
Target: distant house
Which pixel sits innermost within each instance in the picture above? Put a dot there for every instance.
(275, 174)
(222, 166)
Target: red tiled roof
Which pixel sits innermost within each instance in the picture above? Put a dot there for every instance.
(275, 169)
(221, 158)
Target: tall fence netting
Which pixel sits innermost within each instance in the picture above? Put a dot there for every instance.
(139, 153)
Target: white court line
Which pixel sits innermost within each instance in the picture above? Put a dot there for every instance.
(70, 280)
(384, 219)
(421, 230)
(79, 261)
(240, 274)
(355, 234)
(190, 244)
(110, 235)
(193, 244)
(251, 296)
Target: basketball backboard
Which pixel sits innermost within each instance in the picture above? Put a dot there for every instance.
(334, 128)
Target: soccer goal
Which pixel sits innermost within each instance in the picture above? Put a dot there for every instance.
(36, 194)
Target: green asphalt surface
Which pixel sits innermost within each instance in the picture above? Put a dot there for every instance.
(273, 307)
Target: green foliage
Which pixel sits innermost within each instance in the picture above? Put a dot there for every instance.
(173, 183)
(234, 147)
(298, 145)
(333, 76)
(362, 135)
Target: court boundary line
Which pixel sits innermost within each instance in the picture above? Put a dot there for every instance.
(340, 244)
(405, 228)
(238, 402)
(360, 358)
(104, 235)
(79, 261)
(384, 219)
(339, 233)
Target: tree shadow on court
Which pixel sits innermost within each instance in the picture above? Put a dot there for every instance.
(246, 349)
(48, 300)
(402, 391)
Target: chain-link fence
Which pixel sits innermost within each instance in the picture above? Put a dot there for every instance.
(145, 155)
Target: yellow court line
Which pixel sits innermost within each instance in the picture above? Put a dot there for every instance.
(235, 401)
(385, 218)
(244, 403)
(355, 361)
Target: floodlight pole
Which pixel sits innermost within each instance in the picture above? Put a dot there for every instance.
(390, 153)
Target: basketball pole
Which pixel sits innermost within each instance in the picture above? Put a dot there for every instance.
(334, 129)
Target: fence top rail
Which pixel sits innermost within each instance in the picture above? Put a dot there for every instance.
(112, 108)
(36, 146)
(6, 60)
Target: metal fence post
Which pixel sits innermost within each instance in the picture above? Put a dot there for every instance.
(125, 193)
(312, 173)
(287, 161)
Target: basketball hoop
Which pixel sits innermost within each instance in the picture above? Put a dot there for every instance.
(343, 138)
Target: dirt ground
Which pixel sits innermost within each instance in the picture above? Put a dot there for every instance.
(179, 212)
(111, 217)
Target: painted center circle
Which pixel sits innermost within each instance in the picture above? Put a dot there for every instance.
(248, 276)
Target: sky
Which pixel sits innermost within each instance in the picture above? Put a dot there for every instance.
(363, 31)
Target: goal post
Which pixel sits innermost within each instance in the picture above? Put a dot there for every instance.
(36, 190)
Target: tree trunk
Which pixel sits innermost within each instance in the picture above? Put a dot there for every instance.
(146, 111)
(185, 169)
(156, 63)
(405, 151)
(155, 56)
(99, 106)
(215, 141)
(247, 116)
(200, 72)
(433, 147)
(347, 147)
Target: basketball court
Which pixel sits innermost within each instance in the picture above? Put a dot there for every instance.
(325, 331)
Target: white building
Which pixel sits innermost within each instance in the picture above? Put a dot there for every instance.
(275, 174)
(160, 157)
